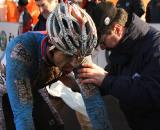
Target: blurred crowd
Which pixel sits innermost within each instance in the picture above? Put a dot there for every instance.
(14, 11)
(29, 11)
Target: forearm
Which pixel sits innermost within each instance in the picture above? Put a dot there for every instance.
(19, 87)
(94, 103)
(23, 120)
(136, 92)
(22, 109)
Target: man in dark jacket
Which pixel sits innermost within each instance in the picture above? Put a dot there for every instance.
(132, 6)
(133, 72)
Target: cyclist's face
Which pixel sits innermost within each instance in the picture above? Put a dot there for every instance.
(66, 63)
(46, 6)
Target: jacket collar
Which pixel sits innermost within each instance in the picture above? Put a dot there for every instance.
(135, 31)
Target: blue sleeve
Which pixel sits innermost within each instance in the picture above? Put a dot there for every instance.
(18, 82)
(138, 90)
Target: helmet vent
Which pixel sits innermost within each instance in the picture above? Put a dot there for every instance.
(57, 26)
(65, 23)
(64, 42)
(87, 27)
(72, 41)
(76, 28)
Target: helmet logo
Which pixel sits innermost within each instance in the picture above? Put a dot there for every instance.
(107, 21)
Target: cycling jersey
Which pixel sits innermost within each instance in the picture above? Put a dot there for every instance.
(26, 75)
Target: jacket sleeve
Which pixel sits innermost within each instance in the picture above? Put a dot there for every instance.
(139, 7)
(139, 90)
(18, 83)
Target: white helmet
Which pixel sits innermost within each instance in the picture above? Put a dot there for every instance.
(71, 30)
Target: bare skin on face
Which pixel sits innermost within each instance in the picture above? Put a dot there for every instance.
(46, 6)
(64, 62)
(109, 41)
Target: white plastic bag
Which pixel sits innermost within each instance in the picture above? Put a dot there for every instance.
(73, 99)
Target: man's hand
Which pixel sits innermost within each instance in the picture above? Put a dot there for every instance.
(91, 73)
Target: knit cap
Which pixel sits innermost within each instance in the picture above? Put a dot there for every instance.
(106, 13)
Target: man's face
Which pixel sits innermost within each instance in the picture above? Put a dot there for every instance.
(46, 6)
(66, 63)
(108, 41)
(111, 39)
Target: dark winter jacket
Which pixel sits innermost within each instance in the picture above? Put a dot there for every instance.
(132, 6)
(41, 25)
(134, 75)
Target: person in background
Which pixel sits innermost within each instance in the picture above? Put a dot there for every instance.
(91, 7)
(33, 10)
(45, 8)
(132, 6)
(132, 73)
(152, 11)
(24, 17)
(12, 11)
(2, 92)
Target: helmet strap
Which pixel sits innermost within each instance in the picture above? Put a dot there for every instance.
(46, 52)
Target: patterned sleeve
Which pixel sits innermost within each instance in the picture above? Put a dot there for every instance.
(18, 83)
